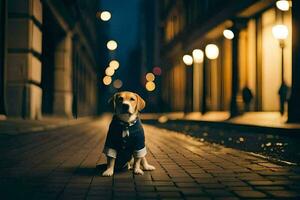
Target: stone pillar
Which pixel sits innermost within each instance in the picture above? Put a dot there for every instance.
(235, 73)
(23, 73)
(3, 16)
(293, 104)
(189, 89)
(203, 101)
(63, 95)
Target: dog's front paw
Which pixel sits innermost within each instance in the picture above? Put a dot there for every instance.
(108, 172)
(149, 167)
(138, 171)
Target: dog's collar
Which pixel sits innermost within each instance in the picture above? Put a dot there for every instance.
(127, 124)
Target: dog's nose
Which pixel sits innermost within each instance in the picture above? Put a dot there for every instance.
(125, 106)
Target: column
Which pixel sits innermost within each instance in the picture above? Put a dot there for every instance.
(293, 104)
(203, 101)
(235, 79)
(3, 17)
(63, 95)
(23, 72)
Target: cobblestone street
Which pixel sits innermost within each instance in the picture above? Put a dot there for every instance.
(61, 164)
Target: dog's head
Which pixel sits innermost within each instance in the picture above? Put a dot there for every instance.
(126, 105)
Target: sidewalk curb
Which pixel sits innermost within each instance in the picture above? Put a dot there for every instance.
(295, 132)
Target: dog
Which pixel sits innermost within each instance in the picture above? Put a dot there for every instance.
(125, 139)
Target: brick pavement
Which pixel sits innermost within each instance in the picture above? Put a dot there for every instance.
(60, 164)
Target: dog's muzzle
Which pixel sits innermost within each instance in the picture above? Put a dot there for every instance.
(125, 108)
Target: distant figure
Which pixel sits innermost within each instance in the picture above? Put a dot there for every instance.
(247, 97)
(283, 96)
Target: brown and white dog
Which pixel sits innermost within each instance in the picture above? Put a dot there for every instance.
(125, 138)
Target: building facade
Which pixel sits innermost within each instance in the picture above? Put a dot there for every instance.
(50, 60)
(251, 68)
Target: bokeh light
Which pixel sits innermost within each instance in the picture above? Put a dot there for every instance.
(280, 31)
(107, 80)
(228, 34)
(112, 45)
(150, 86)
(212, 51)
(117, 83)
(283, 5)
(109, 71)
(104, 16)
(150, 77)
(114, 64)
(187, 59)
(157, 71)
(198, 55)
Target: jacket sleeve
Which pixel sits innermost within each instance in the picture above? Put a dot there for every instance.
(139, 145)
(110, 147)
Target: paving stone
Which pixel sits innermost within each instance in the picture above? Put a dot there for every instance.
(250, 194)
(61, 165)
(284, 194)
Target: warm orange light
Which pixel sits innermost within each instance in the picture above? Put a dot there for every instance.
(283, 5)
(109, 71)
(150, 86)
(228, 34)
(212, 51)
(150, 77)
(280, 32)
(112, 45)
(187, 59)
(107, 80)
(198, 55)
(118, 84)
(105, 16)
(114, 64)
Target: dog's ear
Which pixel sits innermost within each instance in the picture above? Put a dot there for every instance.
(140, 103)
(112, 102)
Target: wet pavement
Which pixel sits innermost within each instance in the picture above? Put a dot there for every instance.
(61, 164)
(273, 144)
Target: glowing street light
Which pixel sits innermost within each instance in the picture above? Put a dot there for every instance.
(212, 51)
(281, 32)
(109, 71)
(198, 55)
(104, 15)
(150, 86)
(228, 34)
(188, 60)
(283, 5)
(150, 77)
(107, 80)
(114, 64)
(112, 45)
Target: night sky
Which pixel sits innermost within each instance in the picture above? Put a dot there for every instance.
(123, 27)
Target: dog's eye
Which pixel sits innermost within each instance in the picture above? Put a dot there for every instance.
(120, 99)
(132, 99)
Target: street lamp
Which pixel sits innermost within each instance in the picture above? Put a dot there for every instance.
(280, 32)
(228, 34)
(212, 51)
(198, 55)
(188, 61)
(283, 5)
